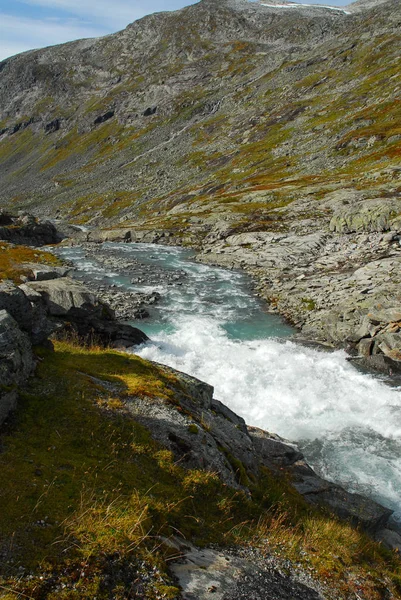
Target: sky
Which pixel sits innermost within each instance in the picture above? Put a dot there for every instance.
(28, 24)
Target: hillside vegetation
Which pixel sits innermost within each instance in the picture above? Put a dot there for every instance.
(248, 111)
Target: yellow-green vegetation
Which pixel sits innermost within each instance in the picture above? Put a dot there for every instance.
(14, 261)
(308, 303)
(108, 203)
(86, 492)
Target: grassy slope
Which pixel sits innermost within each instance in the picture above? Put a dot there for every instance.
(86, 493)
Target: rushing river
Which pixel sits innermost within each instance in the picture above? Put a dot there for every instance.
(209, 325)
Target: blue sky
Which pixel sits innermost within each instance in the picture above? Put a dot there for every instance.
(27, 24)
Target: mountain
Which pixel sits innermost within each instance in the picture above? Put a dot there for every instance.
(216, 99)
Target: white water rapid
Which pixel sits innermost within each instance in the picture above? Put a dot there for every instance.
(348, 424)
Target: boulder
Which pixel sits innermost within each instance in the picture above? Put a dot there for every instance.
(72, 307)
(105, 332)
(380, 314)
(44, 272)
(358, 510)
(390, 539)
(369, 215)
(14, 301)
(16, 362)
(29, 230)
(272, 450)
(365, 347)
(62, 296)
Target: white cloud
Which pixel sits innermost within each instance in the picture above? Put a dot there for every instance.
(115, 14)
(18, 34)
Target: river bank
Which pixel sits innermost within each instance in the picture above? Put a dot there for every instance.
(338, 286)
(339, 417)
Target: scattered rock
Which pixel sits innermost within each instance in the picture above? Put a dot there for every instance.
(234, 575)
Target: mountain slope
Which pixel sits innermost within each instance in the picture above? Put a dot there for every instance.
(181, 102)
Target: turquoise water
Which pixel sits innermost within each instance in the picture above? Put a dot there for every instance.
(204, 290)
(209, 325)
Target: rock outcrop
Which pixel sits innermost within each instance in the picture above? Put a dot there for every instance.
(370, 215)
(16, 362)
(27, 229)
(29, 314)
(205, 434)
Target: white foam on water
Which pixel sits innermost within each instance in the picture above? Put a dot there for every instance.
(347, 423)
(353, 419)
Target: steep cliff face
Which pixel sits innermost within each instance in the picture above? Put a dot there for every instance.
(218, 96)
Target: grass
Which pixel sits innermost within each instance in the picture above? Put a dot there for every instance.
(86, 483)
(86, 490)
(14, 260)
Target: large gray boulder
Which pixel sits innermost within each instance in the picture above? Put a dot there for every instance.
(68, 300)
(62, 295)
(16, 362)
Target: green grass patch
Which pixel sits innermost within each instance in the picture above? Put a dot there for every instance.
(14, 260)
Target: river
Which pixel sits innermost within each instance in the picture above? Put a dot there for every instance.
(210, 325)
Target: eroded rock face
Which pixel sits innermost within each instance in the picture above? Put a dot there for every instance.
(16, 362)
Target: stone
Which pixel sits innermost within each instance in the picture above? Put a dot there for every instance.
(14, 301)
(63, 295)
(273, 450)
(390, 539)
(384, 315)
(108, 332)
(358, 510)
(44, 273)
(370, 215)
(16, 362)
(362, 331)
(230, 415)
(365, 347)
(392, 340)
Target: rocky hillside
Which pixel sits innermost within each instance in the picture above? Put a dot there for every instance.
(252, 98)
